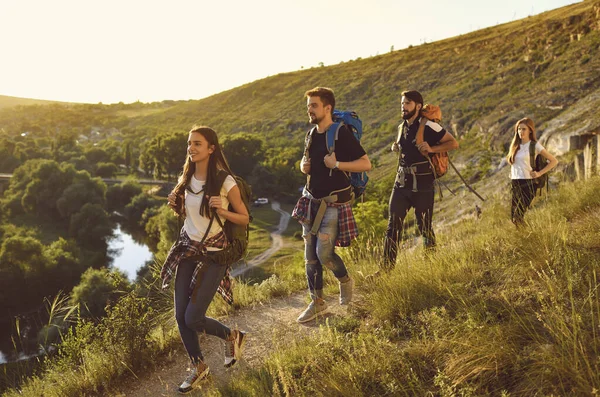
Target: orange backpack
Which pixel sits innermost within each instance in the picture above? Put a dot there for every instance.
(438, 161)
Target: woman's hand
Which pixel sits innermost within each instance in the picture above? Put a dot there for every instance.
(216, 203)
(535, 174)
(172, 200)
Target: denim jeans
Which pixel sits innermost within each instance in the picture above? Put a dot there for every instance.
(190, 313)
(319, 250)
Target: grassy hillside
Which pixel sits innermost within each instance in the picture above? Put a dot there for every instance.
(11, 101)
(484, 81)
(494, 311)
(542, 67)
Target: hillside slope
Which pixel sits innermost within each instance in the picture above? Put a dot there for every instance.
(11, 101)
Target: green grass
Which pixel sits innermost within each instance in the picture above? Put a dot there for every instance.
(493, 311)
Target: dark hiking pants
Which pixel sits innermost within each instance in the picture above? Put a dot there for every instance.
(523, 192)
(402, 200)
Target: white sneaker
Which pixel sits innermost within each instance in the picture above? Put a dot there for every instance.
(233, 348)
(346, 292)
(199, 372)
(312, 311)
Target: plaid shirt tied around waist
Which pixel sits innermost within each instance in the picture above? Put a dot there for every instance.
(184, 248)
(306, 209)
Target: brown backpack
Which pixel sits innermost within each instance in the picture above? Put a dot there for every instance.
(438, 161)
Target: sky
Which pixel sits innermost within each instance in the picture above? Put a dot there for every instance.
(113, 51)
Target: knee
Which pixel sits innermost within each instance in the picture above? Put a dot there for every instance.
(307, 236)
(195, 322)
(325, 248)
(311, 265)
(180, 318)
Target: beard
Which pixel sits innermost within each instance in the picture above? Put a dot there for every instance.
(408, 115)
(313, 119)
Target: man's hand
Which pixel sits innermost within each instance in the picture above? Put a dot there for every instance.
(330, 160)
(424, 148)
(305, 165)
(395, 147)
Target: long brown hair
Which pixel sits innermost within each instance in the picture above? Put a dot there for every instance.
(216, 162)
(516, 141)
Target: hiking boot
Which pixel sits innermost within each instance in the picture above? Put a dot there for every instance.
(199, 372)
(315, 307)
(233, 348)
(346, 291)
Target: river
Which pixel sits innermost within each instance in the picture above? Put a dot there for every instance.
(129, 255)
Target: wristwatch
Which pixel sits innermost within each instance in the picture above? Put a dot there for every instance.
(337, 165)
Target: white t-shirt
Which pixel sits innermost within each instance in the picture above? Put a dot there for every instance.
(521, 169)
(195, 225)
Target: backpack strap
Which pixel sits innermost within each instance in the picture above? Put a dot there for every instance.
(420, 138)
(221, 176)
(332, 136)
(308, 141)
(333, 133)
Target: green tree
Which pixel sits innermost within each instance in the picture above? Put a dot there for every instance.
(106, 170)
(164, 155)
(140, 203)
(91, 227)
(97, 288)
(96, 155)
(21, 269)
(118, 196)
(243, 152)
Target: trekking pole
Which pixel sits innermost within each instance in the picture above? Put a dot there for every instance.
(465, 182)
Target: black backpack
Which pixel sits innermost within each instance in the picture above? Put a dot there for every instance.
(538, 163)
(237, 235)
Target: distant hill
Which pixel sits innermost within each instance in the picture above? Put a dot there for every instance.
(11, 101)
(543, 67)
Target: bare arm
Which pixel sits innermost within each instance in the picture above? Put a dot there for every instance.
(447, 143)
(358, 165)
(305, 165)
(239, 215)
(553, 162)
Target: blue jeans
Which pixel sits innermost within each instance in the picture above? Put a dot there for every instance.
(319, 250)
(190, 313)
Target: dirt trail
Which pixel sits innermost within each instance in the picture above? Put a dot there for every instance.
(275, 319)
(276, 244)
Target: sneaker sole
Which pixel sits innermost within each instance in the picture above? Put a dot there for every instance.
(311, 317)
(237, 357)
(202, 377)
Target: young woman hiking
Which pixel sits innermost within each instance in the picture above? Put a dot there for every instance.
(521, 173)
(197, 276)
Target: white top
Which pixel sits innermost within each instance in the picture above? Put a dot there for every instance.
(521, 168)
(195, 225)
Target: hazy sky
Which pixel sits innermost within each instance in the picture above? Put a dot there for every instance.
(128, 50)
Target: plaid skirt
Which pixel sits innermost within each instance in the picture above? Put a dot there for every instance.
(184, 248)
